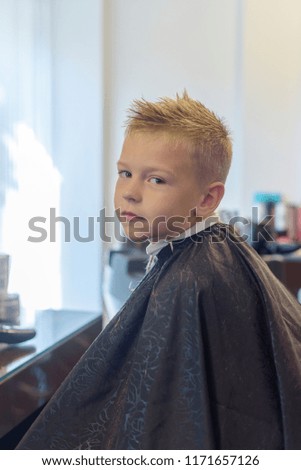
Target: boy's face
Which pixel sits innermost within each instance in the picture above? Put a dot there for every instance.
(157, 189)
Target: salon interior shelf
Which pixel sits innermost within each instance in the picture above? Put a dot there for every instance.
(30, 372)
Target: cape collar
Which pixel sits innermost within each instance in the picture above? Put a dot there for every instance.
(154, 247)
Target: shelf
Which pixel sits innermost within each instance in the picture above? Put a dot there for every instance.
(30, 372)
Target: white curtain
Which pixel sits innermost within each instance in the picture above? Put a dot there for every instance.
(50, 147)
(29, 180)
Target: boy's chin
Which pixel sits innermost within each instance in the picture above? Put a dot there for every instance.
(135, 236)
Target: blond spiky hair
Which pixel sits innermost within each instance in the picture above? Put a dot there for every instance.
(185, 120)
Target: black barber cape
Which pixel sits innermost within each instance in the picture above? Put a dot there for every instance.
(205, 354)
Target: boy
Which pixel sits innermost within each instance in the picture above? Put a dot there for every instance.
(206, 352)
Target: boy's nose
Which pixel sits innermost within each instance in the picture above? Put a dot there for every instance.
(132, 193)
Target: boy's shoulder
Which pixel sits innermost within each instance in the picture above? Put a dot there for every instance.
(192, 264)
(214, 257)
(211, 251)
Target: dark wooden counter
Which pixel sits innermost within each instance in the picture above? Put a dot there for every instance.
(31, 371)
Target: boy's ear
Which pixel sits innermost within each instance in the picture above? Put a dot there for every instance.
(210, 199)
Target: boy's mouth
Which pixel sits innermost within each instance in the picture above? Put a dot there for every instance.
(130, 216)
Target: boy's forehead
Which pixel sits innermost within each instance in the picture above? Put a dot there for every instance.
(157, 143)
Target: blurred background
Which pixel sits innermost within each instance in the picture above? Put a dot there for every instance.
(69, 70)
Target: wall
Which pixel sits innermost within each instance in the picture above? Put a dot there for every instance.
(77, 137)
(272, 98)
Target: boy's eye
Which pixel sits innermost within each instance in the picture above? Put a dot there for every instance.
(124, 174)
(156, 180)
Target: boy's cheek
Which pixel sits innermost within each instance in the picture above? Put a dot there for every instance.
(116, 200)
(137, 232)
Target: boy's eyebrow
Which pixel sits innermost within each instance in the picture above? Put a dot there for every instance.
(163, 170)
(149, 168)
